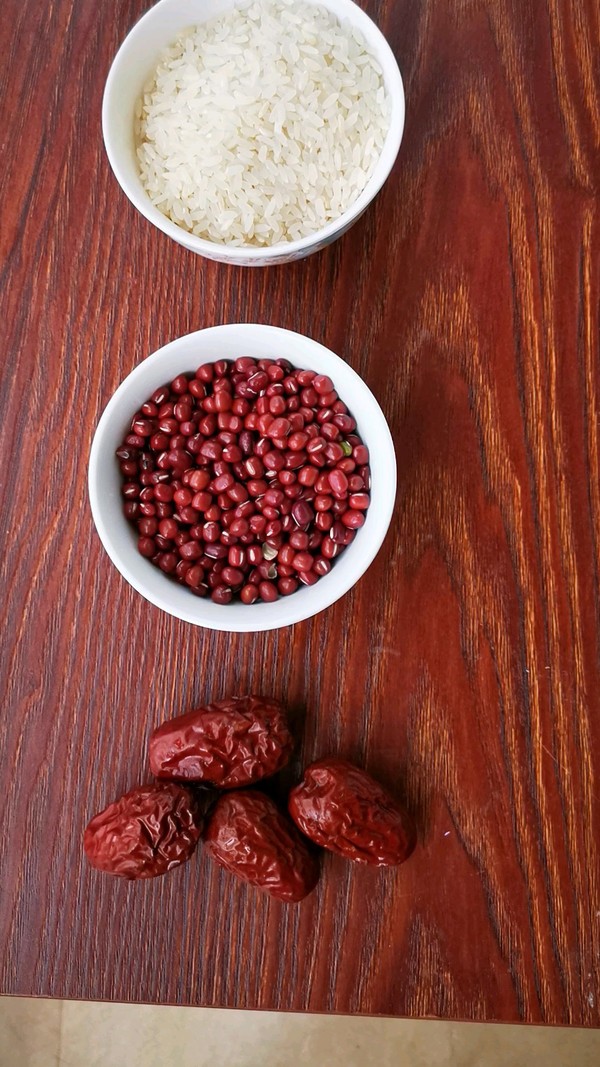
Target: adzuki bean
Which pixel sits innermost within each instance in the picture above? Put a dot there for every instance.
(244, 459)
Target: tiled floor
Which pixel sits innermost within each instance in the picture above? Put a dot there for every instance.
(42, 1033)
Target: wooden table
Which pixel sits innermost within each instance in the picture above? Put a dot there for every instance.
(462, 670)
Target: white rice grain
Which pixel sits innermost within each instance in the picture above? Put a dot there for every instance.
(262, 125)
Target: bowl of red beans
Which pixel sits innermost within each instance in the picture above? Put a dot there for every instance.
(242, 477)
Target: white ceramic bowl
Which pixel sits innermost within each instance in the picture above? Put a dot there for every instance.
(186, 354)
(133, 65)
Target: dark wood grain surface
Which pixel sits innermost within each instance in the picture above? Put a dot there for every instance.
(463, 670)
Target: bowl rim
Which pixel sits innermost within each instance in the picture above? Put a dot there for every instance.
(287, 249)
(292, 609)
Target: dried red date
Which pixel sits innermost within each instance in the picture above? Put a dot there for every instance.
(249, 836)
(230, 743)
(340, 807)
(146, 832)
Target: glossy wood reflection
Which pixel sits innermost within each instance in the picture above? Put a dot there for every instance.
(463, 670)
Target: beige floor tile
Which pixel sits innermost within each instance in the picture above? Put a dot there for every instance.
(38, 1033)
(96, 1035)
(29, 1032)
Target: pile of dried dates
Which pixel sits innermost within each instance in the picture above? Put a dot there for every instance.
(231, 745)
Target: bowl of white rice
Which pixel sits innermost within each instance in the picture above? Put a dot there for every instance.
(253, 132)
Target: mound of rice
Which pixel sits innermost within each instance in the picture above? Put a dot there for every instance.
(262, 125)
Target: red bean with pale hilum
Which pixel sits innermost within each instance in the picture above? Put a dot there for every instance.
(244, 455)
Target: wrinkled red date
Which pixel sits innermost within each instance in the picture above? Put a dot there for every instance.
(230, 743)
(146, 832)
(340, 807)
(249, 836)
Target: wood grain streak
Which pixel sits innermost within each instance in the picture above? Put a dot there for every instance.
(463, 670)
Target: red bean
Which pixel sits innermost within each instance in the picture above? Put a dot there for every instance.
(316, 445)
(211, 450)
(334, 452)
(215, 551)
(159, 442)
(321, 566)
(182, 497)
(303, 561)
(211, 531)
(222, 483)
(302, 513)
(330, 549)
(208, 425)
(309, 397)
(307, 476)
(272, 530)
(244, 455)
(274, 497)
(322, 384)
(194, 576)
(286, 586)
(221, 594)
(338, 532)
(232, 453)
(143, 427)
(305, 377)
(168, 528)
(191, 550)
(324, 521)
(267, 591)
(277, 404)
(254, 467)
(338, 482)
(146, 546)
(238, 493)
(308, 577)
(359, 501)
(339, 507)
(353, 519)
(299, 540)
(249, 594)
(179, 384)
(236, 556)
(345, 423)
(262, 447)
(297, 440)
(279, 428)
(232, 576)
(163, 493)
(257, 524)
